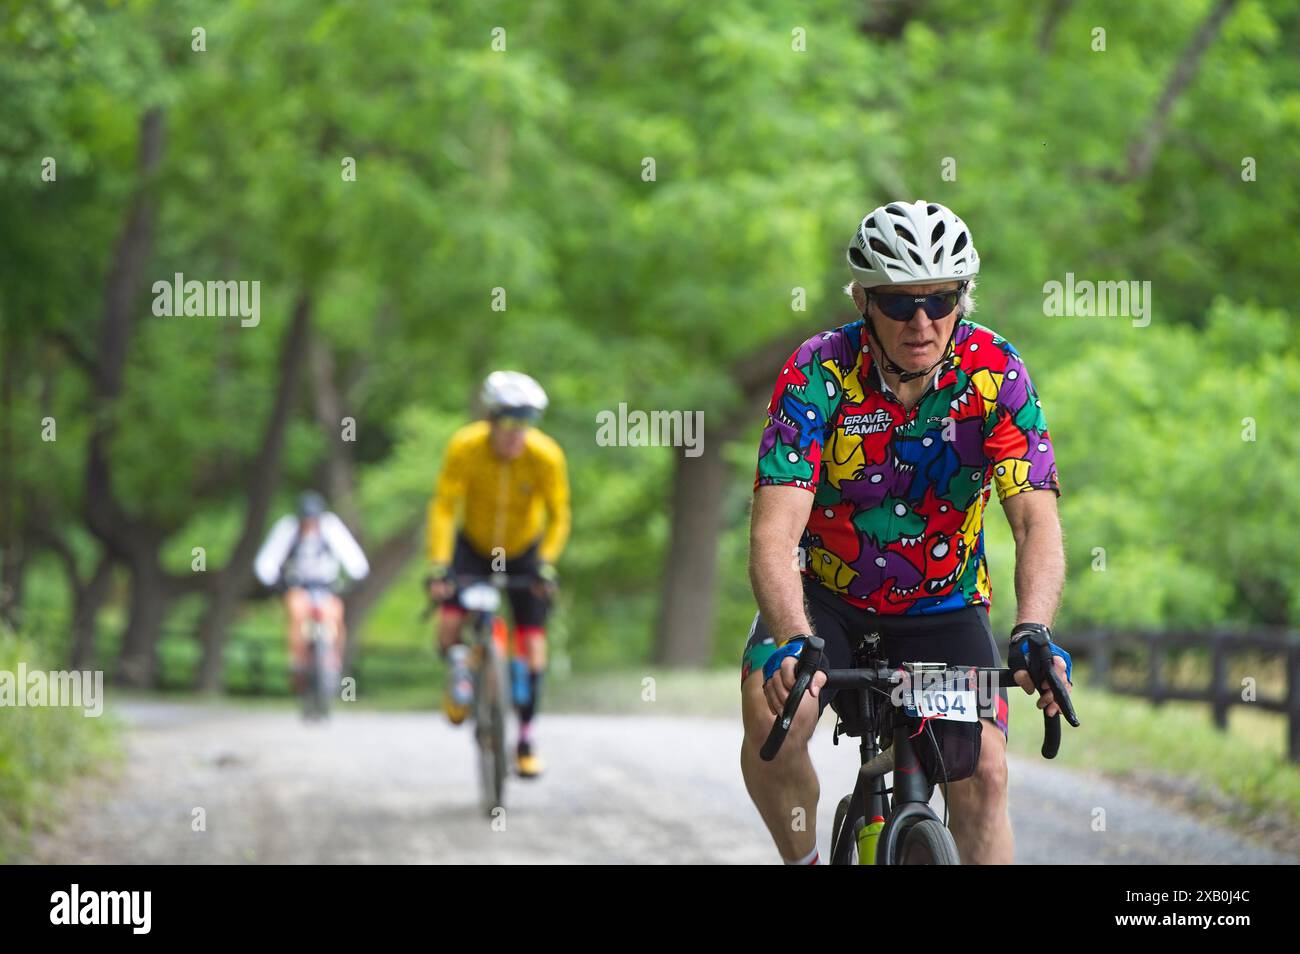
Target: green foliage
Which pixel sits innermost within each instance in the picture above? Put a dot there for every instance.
(1162, 471)
(523, 171)
(41, 748)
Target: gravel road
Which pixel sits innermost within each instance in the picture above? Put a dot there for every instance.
(401, 788)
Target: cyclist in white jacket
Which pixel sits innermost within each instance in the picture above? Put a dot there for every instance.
(303, 555)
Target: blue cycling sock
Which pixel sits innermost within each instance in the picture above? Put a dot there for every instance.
(529, 708)
(521, 687)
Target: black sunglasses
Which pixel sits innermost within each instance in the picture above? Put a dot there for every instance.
(901, 306)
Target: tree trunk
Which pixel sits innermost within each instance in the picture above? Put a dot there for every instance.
(1143, 151)
(232, 582)
(390, 557)
(386, 564)
(327, 404)
(687, 612)
(1056, 12)
(214, 626)
(137, 664)
(128, 538)
(11, 548)
(887, 19)
(12, 577)
(87, 599)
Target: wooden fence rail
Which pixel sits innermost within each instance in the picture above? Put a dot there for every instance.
(1100, 646)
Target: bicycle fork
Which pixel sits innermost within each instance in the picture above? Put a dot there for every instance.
(911, 795)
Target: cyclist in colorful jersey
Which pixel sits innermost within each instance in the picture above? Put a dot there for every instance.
(305, 552)
(884, 440)
(501, 504)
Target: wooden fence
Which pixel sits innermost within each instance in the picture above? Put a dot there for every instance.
(1101, 646)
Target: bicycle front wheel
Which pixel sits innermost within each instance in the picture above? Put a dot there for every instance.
(490, 719)
(312, 704)
(327, 678)
(927, 842)
(844, 836)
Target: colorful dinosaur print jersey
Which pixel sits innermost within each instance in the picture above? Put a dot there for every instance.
(897, 523)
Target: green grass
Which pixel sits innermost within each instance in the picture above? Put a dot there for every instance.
(648, 691)
(41, 750)
(1242, 771)
(670, 692)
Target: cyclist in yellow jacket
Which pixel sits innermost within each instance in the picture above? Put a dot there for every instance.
(501, 504)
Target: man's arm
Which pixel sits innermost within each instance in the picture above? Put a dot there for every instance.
(558, 517)
(345, 546)
(1040, 554)
(447, 496)
(275, 550)
(776, 525)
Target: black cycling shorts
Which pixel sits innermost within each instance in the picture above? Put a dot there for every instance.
(960, 638)
(528, 608)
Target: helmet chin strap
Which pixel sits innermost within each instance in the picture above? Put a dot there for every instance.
(892, 366)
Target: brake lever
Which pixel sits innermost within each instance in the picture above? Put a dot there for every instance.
(1045, 662)
(809, 662)
(1061, 696)
(781, 726)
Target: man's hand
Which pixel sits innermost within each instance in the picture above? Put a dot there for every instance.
(547, 581)
(1030, 649)
(439, 585)
(1023, 680)
(777, 689)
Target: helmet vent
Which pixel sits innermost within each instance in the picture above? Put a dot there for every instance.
(937, 233)
(880, 248)
(960, 244)
(932, 209)
(916, 258)
(893, 210)
(905, 234)
(857, 258)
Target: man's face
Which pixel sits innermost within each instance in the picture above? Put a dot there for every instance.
(917, 343)
(509, 436)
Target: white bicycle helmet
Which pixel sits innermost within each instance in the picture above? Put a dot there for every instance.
(513, 394)
(912, 243)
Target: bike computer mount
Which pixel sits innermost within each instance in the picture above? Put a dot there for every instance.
(481, 597)
(865, 655)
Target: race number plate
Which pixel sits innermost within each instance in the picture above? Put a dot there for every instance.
(939, 702)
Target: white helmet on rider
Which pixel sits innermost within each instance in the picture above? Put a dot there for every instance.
(912, 243)
(513, 394)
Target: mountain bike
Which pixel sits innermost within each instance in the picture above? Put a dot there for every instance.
(485, 634)
(320, 636)
(887, 707)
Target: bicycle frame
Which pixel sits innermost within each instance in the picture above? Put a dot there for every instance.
(315, 626)
(911, 792)
(320, 639)
(481, 598)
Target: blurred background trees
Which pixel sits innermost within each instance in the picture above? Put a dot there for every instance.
(662, 193)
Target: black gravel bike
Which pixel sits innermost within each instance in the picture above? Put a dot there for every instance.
(884, 706)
